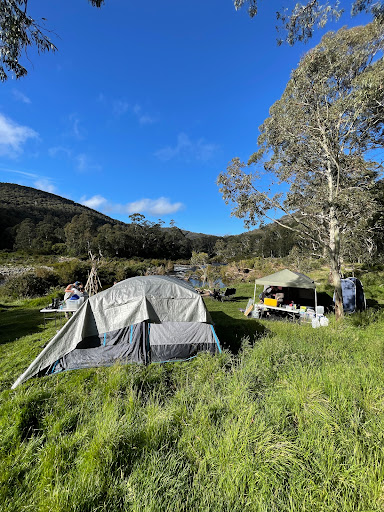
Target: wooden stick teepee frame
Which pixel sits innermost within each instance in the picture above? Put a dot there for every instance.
(93, 282)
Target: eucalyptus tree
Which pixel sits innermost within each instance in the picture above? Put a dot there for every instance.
(19, 32)
(25, 235)
(300, 22)
(314, 145)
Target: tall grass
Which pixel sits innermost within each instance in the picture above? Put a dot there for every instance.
(294, 421)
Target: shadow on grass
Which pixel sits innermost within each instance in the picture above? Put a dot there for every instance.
(6, 306)
(17, 321)
(231, 331)
(232, 299)
(374, 304)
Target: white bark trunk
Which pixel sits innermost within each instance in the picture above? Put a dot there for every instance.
(334, 244)
(334, 259)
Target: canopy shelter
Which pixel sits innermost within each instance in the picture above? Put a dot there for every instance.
(288, 279)
(139, 320)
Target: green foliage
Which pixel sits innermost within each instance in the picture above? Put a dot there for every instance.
(19, 33)
(71, 270)
(300, 22)
(315, 140)
(26, 285)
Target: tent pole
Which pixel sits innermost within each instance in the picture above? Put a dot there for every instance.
(254, 294)
(315, 302)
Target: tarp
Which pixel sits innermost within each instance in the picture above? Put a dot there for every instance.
(96, 333)
(287, 279)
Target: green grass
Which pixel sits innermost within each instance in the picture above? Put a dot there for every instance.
(293, 422)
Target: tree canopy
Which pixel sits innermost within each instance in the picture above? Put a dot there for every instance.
(300, 22)
(330, 116)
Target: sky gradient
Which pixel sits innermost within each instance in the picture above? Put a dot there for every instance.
(144, 104)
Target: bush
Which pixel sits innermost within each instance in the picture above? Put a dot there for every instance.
(59, 248)
(71, 271)
(106, 273)
(48, 274)
(132, 269)
(27, 285)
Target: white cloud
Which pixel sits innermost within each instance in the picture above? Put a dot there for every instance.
(84, 163)
(146, 120)
(94, 202)
(33, 179)
(77, 129)
(46, 185)
(13, 136)
(121, 107)
(59, 150)
(142, 118)
(22, 173)
(187, 149)
(160, 206)
(19, 96)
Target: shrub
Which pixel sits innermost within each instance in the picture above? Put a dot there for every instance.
(59, 248)
(106, 273)
(27, 285)
(71, 271)
(48, 274)
(131, 269)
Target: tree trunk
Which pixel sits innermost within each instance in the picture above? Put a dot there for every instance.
(334, 260)
(336, 281)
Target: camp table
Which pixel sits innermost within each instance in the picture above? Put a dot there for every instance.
(54, 314)
(292, 313)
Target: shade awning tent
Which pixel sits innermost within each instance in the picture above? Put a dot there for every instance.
(287, 279)
(139, 320)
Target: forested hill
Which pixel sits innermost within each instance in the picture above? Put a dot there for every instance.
(40, 222)
(43, 223)
(18, 203)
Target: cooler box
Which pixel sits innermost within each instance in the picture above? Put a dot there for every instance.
(270, 302)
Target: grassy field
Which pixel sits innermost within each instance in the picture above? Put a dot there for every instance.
(287, 418)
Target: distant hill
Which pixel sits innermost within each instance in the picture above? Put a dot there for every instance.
(18, 203)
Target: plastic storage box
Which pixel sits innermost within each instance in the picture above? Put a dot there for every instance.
(270, 302)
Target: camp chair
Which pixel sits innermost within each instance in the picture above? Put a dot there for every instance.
(228, 294)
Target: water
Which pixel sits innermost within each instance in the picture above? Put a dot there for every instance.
(180, 272)
(199, 284)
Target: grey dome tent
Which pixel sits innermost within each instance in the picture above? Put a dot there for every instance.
(139, 320)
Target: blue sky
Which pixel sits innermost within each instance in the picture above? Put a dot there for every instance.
(144, 104)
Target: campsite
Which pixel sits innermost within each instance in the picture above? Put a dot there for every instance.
(192, 256)
(286, 416)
